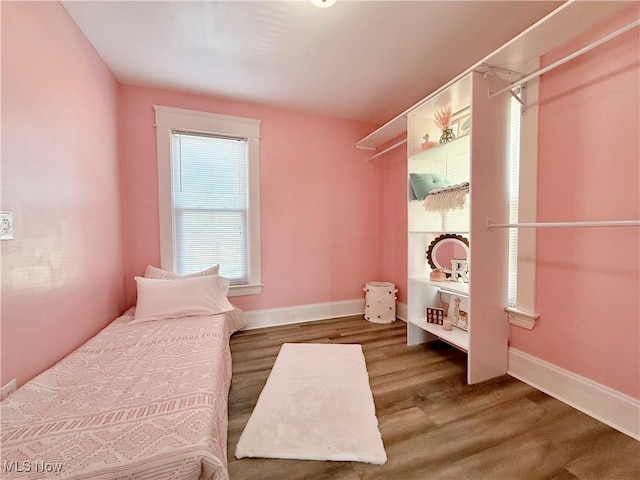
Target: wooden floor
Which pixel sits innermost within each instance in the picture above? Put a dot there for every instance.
(433, 425)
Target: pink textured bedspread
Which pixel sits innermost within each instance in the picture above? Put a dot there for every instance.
(142, 401)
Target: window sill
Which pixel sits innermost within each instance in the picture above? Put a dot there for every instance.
(520, 318)
(240, 290)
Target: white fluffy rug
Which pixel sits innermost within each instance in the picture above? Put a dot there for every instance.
(316, 405)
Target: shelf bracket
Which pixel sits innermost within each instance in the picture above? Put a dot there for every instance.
(494, 71)
(522, 99)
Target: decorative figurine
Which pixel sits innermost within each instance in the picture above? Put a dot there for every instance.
(459, 269)
(443, 121)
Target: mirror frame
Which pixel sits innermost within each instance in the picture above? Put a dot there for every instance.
(439, 240)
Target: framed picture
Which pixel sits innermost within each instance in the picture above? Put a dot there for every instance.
(464, 125)
(435, 315)
(459, 312)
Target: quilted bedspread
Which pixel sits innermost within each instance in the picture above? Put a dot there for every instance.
(141, 401)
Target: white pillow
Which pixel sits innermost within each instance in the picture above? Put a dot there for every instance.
(161, 299)
(154, 272)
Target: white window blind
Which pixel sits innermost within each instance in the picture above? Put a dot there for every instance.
(457, 171)
(514, 186)
(210, 204)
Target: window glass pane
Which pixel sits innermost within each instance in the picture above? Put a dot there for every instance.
(514, 185)
(204, 238)
(458, 171)
(210, 204)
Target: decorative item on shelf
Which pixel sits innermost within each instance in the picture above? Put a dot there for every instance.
(459, 312)
(446, 324)
(438, 275)
(464, 125)
(427, 144)
(443, 121)
(445, 247)
(445, 199)
(435, 315)
(459, 270)
(420, 184)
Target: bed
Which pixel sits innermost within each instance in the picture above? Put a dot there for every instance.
(138, 401)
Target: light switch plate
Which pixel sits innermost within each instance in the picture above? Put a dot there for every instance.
(6, 226)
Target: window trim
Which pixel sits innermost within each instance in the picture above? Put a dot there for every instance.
(169, 119)
(527, 204)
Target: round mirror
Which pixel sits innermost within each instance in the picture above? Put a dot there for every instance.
(446, 247)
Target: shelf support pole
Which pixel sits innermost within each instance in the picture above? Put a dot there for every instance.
(395, 145)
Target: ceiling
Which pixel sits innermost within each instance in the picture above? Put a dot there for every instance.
(360, 60)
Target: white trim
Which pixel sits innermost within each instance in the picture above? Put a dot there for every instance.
(303, 313)
(520, 318)
(605, 404)
(241, 290)
(206, 122)
(527, 196)
(401, 311)
(169, 119)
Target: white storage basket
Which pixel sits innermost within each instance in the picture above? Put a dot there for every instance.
(380, 302)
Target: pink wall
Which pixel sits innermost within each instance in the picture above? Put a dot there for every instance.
(62, 275)
(588, 169)
(394, 165)
(321, 203)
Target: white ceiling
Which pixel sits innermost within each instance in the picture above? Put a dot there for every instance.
(361, 60)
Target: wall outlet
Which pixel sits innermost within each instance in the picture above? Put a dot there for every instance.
(6, 226)
(8, 389)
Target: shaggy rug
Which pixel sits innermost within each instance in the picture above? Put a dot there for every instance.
(316, 405)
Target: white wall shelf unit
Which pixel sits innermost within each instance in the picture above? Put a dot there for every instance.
(479, 158)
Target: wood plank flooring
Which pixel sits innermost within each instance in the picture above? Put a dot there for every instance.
(433, 425)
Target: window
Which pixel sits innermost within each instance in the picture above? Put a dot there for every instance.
(522, 204)
(514, 190)
(208, 183)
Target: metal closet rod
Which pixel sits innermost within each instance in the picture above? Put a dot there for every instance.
(612, 223)
(569, 57)
(395, 145)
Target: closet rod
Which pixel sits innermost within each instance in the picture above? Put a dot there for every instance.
(614, 223)
(569, 57)
(395, 145)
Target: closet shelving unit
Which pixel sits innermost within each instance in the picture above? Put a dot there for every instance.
(485, 152)
(480, 159)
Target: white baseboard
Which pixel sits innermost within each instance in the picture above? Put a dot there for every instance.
(401, 311)
(609, 406)
(303, 313)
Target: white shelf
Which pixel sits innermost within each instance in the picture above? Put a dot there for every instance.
(439, 231)
(457, 288)
(424, 154)
(456, 337)
(568, 21)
